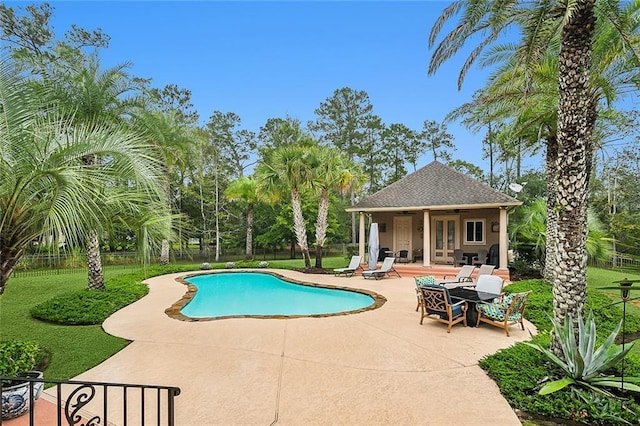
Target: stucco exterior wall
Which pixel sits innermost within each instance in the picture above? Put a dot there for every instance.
(489, 217)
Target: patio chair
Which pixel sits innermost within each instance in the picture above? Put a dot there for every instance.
(350, 270)
(483, 270)
(463, 276)
(488, 284)
(423, 281)
(459, 258)
(480, 258)
(508, 312)
(382, 253)
(385, 269)
(436, 305)
(403, 256)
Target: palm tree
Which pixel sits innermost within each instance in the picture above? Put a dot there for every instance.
(528, 93)
(169, 132)
(290, 168)
(332, 171)
(531, 231)
(91, 96)
(46, 189)
(245, 189)
(572, 25)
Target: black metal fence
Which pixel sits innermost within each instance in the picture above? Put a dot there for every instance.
(92, 403)
(47, 264)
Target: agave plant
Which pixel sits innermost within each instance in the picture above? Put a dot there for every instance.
(583, 364)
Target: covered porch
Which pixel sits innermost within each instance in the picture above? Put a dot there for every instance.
(430, 237)
(438, 216)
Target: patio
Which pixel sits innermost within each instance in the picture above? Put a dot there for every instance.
(377, 367)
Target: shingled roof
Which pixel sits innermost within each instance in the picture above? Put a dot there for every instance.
(435, 186)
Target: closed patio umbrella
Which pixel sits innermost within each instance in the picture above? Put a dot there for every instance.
(374, 246)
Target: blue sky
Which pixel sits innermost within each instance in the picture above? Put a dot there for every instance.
(272, 59)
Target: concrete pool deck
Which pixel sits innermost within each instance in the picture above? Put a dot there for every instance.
(379, 367)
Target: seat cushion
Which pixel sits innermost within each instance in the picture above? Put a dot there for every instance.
(506, 301)
(497, 311)
(456, 311)
(426, 280)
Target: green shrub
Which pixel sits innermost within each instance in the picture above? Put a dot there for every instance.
(519, 371)
(585, 364)
(17, 357)
(352, 250)
(539, 308)
(89, 307)
(75, 259)
(524, 269)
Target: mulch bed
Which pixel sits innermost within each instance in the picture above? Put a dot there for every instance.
(312, 270)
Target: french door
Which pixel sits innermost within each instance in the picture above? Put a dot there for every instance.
(444, 238)
(402, 234)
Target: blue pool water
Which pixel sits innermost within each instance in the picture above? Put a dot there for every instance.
(251, 293)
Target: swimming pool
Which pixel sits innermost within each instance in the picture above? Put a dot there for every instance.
(257, 294)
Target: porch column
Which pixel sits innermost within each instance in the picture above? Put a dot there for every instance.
(504, 240)
(426, 238)
(361, 239)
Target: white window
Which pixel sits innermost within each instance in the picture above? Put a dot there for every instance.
(474, 231)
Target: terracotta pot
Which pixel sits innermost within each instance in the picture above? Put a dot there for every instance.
(15, 399)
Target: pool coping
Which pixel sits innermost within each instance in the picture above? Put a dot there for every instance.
(174, 311)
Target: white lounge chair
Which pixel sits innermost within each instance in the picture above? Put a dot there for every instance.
(483, 270)
(462, 278)
(350, 270)
(385, 269)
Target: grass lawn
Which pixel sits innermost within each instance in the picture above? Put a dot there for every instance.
(598, 278)
(75, 349)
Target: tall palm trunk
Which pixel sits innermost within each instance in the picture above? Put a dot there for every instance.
(95, 276)
(490, 149)
(299, 227)
(94, 264)
(249, 241)
(165, 247)
(573, 163)
(321, 225)
(550, 262)
(164, 252)
(9, 258)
